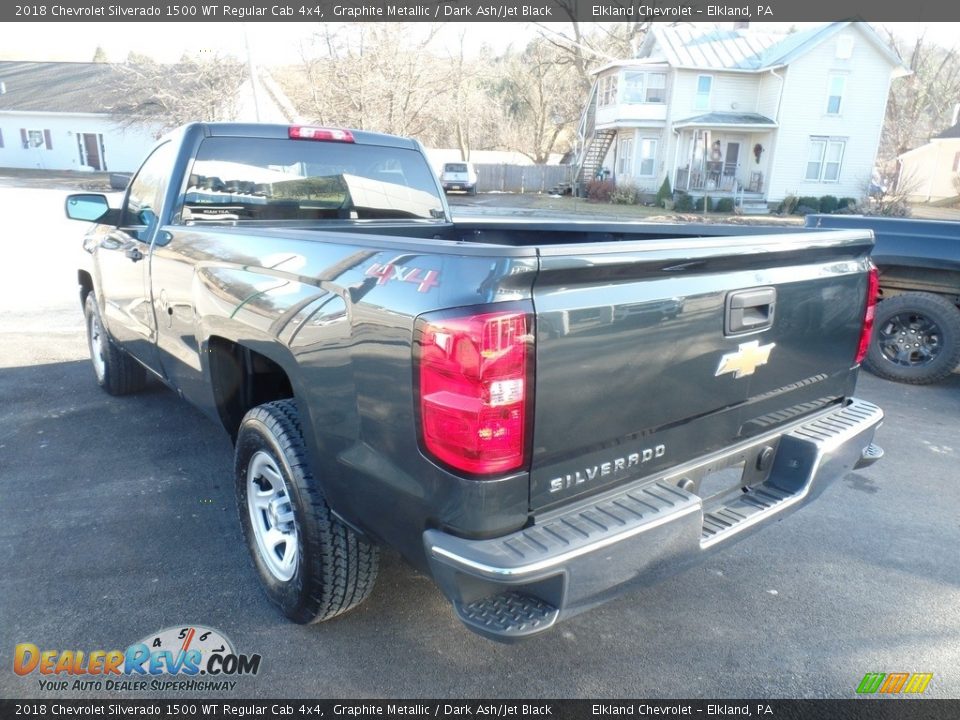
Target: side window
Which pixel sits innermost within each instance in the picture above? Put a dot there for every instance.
(145, 198)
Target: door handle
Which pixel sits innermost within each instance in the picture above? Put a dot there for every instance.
(750, 310)
(133, 253)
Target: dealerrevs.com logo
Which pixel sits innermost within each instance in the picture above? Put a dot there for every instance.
(172, 659)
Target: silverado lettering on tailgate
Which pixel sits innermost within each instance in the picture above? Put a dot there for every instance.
(605, 469)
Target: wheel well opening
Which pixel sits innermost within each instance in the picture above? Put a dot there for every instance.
(242, 379)
(86, 285)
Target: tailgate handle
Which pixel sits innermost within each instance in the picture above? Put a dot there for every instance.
(750, 310)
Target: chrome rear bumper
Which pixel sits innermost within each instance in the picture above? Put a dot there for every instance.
(510, 587)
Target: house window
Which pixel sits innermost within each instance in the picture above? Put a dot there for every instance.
(608, 90)
(835, 94)
(844, 47)
(704, 88)
(633, 87)
(35, 139)
(625, 156)
(656, 88)
(648, 157)
(639, 87)
(824, 159)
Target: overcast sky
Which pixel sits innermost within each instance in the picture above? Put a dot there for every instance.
(280, 42)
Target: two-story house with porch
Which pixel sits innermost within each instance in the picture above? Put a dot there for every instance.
(741, 113)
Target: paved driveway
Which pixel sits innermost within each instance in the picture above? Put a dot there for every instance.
(117, 520)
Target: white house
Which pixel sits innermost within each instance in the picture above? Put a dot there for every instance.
(52, 116)
(742, 113)
(56, 116)
(931, 172)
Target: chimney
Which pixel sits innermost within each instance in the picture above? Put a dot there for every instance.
(956, 113)
(741, 25)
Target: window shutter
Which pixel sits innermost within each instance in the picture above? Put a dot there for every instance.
(956, 159)
(46, 140)
(1, 138)
(23, 138)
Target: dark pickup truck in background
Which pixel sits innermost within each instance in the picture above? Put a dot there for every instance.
(533, 413)
(917, 328)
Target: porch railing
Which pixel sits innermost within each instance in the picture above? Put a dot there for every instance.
(706, 179)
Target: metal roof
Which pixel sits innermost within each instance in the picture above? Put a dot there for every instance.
(66, 87)
(747, 50)
(714, 119)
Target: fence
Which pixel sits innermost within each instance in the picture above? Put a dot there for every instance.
(522, 178)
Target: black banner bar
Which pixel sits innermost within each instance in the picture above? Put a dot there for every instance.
(480, 10)
(190, 709)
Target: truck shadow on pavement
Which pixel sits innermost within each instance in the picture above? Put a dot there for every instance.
(118, 519)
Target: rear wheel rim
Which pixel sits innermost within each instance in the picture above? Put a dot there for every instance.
(910, 339)
(95, 335)
(271, 516)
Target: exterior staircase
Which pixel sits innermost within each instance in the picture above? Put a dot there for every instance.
(591, 145)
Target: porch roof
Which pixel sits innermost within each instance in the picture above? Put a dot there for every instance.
(727, 120)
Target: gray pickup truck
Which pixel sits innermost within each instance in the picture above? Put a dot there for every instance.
(916, 335)
(536, 414)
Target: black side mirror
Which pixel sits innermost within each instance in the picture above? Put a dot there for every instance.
(86, 206)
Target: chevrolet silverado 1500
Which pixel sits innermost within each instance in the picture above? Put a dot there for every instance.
(533, 413)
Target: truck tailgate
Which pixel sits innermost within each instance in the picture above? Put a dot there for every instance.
(652, 353)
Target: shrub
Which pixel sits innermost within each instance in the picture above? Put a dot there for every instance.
(788, 205)
(624, 195)
(698, 204)
(828, 204)
(846, 204)
(724, 205)
(684, 203)
(888, 207)
(664, 193)
(811, 203)
(600, 190)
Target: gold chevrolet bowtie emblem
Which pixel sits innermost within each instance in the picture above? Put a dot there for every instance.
(748, 357)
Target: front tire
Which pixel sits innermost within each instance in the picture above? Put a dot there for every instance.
(916, 339)
(116, 372)
(311, 566)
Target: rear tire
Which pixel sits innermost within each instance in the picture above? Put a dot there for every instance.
(916, 339)
(116, 372)
(311, 566)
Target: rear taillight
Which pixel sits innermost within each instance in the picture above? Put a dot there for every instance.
(475, 392)
(866, 332)
(306, 132)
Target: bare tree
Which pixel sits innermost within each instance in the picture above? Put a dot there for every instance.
(540, 101)
(373, 76)
(582, 50)
(166, 96)
(921, 104)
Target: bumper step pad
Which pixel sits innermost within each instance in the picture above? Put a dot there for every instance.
(509, 615)
(770, 497)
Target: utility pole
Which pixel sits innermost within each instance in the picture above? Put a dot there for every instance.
(253, 77)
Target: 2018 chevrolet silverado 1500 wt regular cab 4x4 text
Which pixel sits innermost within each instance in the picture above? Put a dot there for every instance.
(534, 413)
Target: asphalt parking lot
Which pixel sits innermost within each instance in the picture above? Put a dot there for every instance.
(117, 520)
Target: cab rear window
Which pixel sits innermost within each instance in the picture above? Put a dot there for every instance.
(455, 167)
(255, 179)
